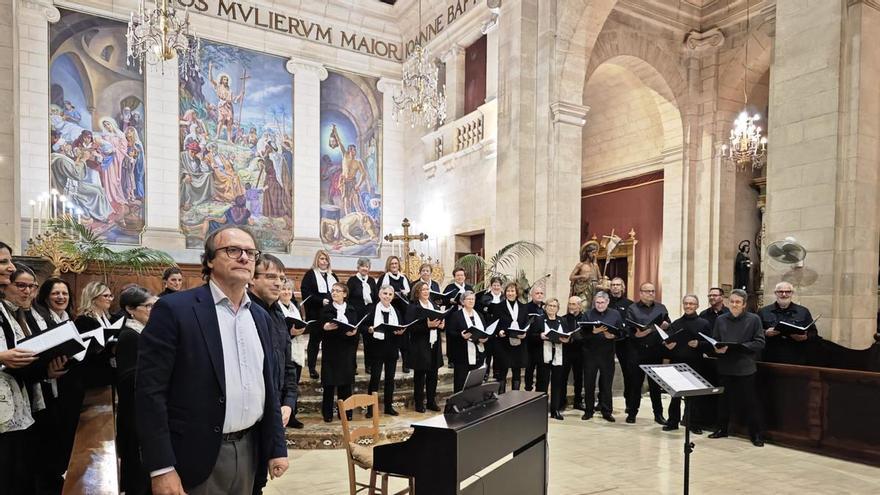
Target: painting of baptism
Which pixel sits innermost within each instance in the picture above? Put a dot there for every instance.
(351, 157)
(236, 145)
(96, 123)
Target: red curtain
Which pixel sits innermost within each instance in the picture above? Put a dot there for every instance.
(475, 75)
(634, 203)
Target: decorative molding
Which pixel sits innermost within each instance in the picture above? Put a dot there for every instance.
(388, 85)
(48, 7)
(569, 113)
(452, 53)
(701, 41)
(634, 169)
(769, 14)
(874, 4)
(491, 24)
(298, 66)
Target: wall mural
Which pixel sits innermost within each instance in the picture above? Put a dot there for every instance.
(96, 121)
(236, 146)
(351, 164)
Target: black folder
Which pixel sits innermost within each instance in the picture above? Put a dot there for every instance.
(347, 327)
(62, 340)
(433, 314)
(450, 298)
(555, 334)
(731, 346)
(593, 324)
(788, 328)
(477, 334)
(298, 323)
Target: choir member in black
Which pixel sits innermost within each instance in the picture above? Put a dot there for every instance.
(463, 353)
(573, 356)
(425, 276)
(425, 353)
(619, 302)
(458, 284)
(265, 291)
(51, 308)
(716, 306)
(363, 292)
(511, 353)
(793, 348)
(533, 342)
(338, 348)
(298, 342)
(552, 357)
(599, 355)
(737, 368)
(690, 354)
(136, 303)
(489, 306)
(315, 292)
(383, 346)
(648, 348)
(397, 280)
(172, 281)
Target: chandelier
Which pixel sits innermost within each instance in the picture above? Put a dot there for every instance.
(159, 34)
(747, 146)
(420, 96)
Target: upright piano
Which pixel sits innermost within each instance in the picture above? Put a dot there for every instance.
(497, 448)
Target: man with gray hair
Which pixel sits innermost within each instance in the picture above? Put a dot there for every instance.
(684, 348)
(599, 355)
(791, 348)
(737, 368)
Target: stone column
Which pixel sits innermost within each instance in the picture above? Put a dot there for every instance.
(822, 176)
(490, 29)
(393, 159)
(9, 228)
(163, 162)
(307, 77)
(454, 60)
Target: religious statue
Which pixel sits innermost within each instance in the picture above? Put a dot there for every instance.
(353, 176)
(585, 275)
(742, 266)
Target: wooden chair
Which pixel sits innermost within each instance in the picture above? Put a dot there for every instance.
(359, 450)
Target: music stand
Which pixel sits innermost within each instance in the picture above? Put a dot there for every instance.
(474, 394)
(681, 381)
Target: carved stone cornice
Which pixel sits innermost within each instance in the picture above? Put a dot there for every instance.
(388, 86)
(702, 41)
(569, 113)
(298, 66)
(454, 52)
(48, 7)
(769, 13)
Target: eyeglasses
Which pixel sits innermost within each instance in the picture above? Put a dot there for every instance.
(784, 292)
(651, 291)
(235, 252)
(146, 306)
(714, 295)
(106, 296)
(271, 276)
(25, 286)
(336, 290)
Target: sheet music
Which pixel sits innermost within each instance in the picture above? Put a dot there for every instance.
(663, 335)
(675, 379)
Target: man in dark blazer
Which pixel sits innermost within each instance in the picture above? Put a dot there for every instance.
(209, 419)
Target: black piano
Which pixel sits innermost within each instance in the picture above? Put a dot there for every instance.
(498, 448)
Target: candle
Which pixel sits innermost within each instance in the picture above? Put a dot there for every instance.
(40, 215)
(63, 200)
(33, 217)
(54, 194)
(78, 216)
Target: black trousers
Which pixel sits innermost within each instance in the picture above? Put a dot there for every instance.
(535, 355)
(637, 379)
(515, 381)
(599, 361)
(16, 470)
(425, 382)
(312, 351)
(460, 373)
(376, 367)
(573, 363)
(621, 350)
(299, 371)
(740, 393)
(555, 373)
(342, 392)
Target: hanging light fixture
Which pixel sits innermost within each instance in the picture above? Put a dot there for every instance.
(159, 34)
(420, 97)
(747, 148)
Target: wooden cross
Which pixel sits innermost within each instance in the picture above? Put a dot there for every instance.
(406, 237)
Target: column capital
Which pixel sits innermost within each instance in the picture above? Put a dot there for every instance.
(701, 41)
(452, 53)
(298, 66)
(569, 113)
(48, 7)
(388, 86)
(769, 13)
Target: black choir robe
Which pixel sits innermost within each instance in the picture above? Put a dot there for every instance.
(422, 355)
(309, 287)
(452, 286)
(456, 346)
(338, 349)
(383, 350)
(506, 354)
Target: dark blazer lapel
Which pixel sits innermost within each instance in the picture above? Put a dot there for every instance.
(206, 315)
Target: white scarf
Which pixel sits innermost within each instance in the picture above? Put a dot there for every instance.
(324, 285)
(41, 322)
(432, 337)
(37, 403)
(298, 344)
(378, 319)
(386, 280)
(368, 298)
(59, 318)
(340, 312)
(471, 347)
(552, 351)
(461, 288)
(496, 298)
(134, 324)
(514, 318)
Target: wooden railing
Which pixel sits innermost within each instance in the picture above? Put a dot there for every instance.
(93, 468)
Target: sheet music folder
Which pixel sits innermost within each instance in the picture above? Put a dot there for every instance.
(680, 380)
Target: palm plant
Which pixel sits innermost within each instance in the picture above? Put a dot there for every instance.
(502, 264)
(80, 242)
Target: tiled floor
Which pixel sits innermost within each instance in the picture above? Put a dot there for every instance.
(589, 457)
